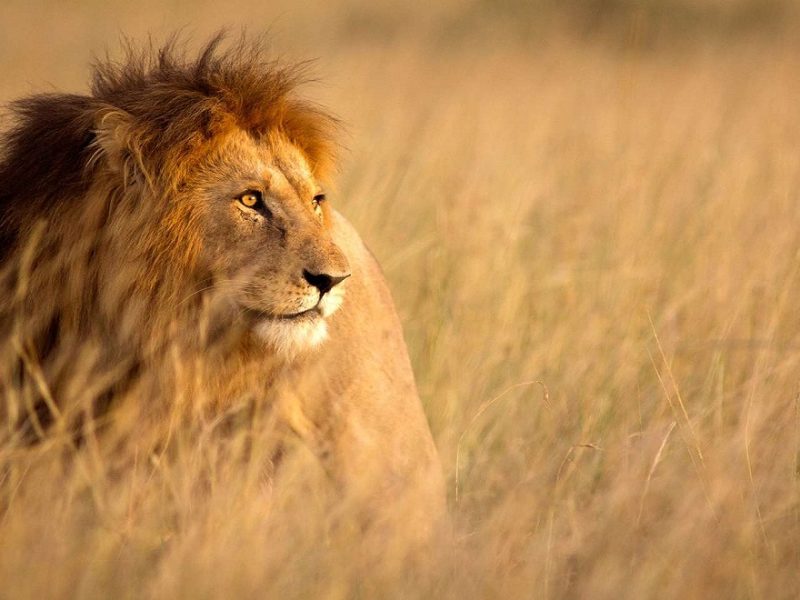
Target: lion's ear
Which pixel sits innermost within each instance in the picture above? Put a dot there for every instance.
(117, 145)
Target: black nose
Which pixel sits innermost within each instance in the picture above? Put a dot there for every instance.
(324, 282)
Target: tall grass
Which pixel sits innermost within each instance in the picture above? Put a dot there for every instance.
(596, 258)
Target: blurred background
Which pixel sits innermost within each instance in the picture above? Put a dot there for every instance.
(47, 43)
(588, 213)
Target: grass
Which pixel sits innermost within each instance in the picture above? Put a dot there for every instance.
(595, 255)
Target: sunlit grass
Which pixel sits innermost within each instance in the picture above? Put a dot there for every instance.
(595, 256)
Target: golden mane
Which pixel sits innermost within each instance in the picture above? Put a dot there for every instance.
(159, 109)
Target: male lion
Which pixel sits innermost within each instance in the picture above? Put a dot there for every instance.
(168, 239)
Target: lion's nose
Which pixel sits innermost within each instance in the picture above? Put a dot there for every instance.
(323, 281)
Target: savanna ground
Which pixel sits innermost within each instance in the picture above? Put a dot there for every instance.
(588, 215)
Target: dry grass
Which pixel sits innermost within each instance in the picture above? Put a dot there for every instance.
(593, 248)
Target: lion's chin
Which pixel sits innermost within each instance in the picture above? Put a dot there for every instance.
(291, 337)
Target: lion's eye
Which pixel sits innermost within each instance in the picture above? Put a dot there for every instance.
(251, 199)
(318, 199)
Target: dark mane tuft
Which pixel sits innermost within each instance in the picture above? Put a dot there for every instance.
(43, 160)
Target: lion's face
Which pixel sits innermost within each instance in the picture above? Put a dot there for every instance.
(265, 239)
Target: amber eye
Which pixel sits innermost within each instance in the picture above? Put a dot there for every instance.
(250, 198)
(318, 199)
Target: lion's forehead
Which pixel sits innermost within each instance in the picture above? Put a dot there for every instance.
(274, 162)
(281, 182)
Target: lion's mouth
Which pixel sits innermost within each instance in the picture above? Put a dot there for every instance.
(261, 315)
(303, 314)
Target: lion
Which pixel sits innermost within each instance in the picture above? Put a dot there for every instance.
(172, 230)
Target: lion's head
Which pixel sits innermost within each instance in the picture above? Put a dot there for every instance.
(179, 186)
(263, 220)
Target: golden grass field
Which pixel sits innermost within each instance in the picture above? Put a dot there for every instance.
(591, 233)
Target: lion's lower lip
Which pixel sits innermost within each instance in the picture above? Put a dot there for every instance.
(310, 313)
